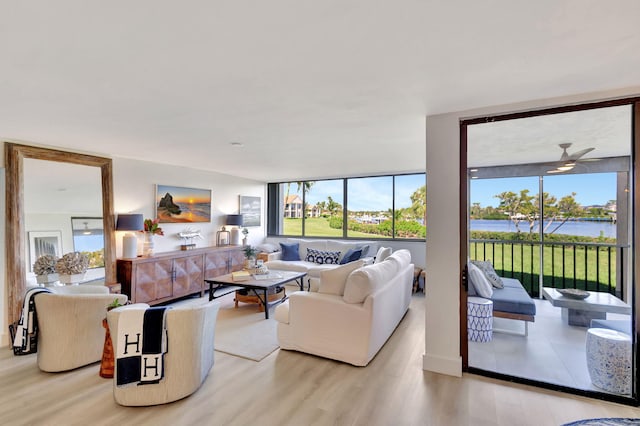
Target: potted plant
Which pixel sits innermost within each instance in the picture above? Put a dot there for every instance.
(250, 253)
(245, 232)
(72, 267)
(45, 269)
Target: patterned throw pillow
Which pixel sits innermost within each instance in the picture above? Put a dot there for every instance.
(322, 257)
(487, 269)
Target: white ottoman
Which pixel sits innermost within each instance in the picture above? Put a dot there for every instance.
(479, 319)
(609, 360)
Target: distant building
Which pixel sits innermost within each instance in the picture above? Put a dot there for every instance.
(293, 207)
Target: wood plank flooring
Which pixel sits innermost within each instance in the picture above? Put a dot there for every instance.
(290, 388)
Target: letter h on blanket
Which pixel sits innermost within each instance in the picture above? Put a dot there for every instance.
(142, 343)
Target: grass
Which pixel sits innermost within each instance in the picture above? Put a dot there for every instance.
(584, 268)
(319, 227)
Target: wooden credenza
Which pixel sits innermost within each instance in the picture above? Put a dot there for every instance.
(171, 275)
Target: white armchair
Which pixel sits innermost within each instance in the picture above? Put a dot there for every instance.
(189, 357)
(70, 331)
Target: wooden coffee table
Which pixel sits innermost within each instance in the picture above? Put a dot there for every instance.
(580, 312)
(258, 284)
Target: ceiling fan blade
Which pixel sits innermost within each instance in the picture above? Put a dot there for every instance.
(580, 153)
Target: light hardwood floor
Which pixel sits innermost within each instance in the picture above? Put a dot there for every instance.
(289, 388)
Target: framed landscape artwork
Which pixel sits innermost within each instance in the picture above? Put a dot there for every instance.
(250, 208)
(44, 242)
(175, 204)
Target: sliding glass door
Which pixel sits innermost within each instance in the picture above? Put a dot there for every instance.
(550, 209)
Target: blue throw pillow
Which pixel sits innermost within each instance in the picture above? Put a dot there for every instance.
(351, 255)
(290, 251)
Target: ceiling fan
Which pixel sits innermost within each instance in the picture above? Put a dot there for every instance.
(568, 161)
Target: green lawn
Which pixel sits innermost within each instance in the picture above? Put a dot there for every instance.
(319, 227)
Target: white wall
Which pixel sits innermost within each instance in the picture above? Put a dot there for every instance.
(442, 325)
(134, 191)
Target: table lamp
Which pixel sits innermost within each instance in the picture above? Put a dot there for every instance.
(235, 221)
(129, 222)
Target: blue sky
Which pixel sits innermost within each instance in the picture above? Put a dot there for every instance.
(590, 189)
(373, 193)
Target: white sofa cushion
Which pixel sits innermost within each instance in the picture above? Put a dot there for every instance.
(382, 254)
(364, 281)
(333, 281)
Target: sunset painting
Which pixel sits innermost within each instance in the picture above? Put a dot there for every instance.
(175, 204)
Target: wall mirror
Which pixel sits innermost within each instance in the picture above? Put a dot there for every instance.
(47, 193)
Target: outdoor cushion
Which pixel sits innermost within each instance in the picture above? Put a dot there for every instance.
(487, 269)
(477, 279)
(623, 326)
(513, 298)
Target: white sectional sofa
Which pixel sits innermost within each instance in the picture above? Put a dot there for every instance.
(277, 261)
(352, 314)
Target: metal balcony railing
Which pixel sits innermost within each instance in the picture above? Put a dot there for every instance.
(586, 266)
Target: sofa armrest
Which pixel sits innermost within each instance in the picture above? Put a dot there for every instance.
(269, 256)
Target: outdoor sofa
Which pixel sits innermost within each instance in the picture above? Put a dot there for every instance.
(511, 301)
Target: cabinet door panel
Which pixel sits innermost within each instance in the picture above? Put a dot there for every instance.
(216, 263)
(236, 260)
(188, 278)
(153, 280)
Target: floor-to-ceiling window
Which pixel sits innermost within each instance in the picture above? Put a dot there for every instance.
(549, 204)
(378, 207)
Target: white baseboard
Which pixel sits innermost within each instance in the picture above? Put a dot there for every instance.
(448, 366)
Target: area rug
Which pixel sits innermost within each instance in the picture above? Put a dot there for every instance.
(244, 332)
(605, 422)
(241, 331)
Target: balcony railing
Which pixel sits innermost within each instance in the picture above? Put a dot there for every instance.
(586, 266)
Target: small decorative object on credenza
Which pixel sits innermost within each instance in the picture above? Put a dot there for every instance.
(223, 237)
(245, 232)
(187, 235)
(72, 267)
(151, 229)
(45, 269)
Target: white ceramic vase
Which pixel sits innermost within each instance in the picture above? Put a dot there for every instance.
(149, 244)
(71, 279)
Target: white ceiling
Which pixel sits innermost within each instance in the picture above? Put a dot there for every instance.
(310, 88)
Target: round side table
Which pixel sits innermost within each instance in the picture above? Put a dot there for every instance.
(479, 319)
(609, 360)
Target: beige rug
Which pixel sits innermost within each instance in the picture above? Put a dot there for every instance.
(244, 331)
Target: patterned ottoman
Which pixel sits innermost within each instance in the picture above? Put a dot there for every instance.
(609, 360)
(479, 319)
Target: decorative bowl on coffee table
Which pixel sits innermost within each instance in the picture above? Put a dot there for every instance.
(573, 293)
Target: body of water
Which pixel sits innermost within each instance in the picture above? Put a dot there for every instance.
(588, 229)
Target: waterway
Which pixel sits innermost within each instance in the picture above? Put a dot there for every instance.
(589, 229)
